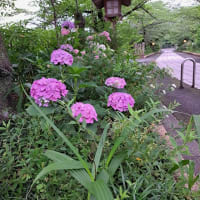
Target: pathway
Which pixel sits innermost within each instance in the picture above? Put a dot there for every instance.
(189, 98)
(170, 59)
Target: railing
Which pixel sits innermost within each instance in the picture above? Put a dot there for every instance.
(194, 71)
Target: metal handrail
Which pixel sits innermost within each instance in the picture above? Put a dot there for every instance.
(194, 71)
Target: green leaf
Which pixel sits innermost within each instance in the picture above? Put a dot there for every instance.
(173, 142)
(67, 164)
(100, 190)
(76, 70)
(56, 156)
(87, 84)
(197, 124)
(33, 112)
(103, 175)
(179, 165)
(82, 177)
(191, 179)
(99, 150)
(115, 163)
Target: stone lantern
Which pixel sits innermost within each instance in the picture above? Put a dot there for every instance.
(112, 7)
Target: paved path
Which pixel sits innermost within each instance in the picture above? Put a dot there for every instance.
(170, 59)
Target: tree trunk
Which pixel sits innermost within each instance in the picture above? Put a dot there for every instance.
(5, 78)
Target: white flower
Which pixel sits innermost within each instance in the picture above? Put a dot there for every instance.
(138, 73)
(173, 85)
(164, 92)
(164, 107)
(152, 86)
(101, 46)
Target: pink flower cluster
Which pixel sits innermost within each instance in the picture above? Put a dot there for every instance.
(68, 24)
(106, 34)
(119, 101)
(115, 82)
(45, 90)
(65, 31)
(67, 47)
(87, 112)
(61, 57)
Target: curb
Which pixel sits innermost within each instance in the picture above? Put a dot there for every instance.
(151, 54)
(192, 53)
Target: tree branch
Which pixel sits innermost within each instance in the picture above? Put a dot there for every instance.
(140, 5)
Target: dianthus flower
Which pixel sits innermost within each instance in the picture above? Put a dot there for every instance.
(67, 47)
(90, 37)
(115, 82)
(76, 51)
(45, 90)
(65, 31)
(83, 53)
(61, 57)
(96, 57)
(87, 112)
(119, 101)
(68, 24)
(106, 34)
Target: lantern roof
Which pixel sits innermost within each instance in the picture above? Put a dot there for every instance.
(100, 3)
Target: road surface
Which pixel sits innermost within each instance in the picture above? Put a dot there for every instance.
(170, 59)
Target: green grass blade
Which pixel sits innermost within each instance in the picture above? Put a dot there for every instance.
(99, 150)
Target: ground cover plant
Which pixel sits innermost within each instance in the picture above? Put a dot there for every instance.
(87, 129)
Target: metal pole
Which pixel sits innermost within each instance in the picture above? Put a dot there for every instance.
(181, 81)
(194, 72)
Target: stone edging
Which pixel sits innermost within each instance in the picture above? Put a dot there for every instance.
(192, 53)
(146, 56)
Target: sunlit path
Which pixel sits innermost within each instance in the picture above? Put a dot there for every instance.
(169, 59)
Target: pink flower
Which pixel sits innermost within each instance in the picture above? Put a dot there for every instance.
(76, 51)
(90, 37)
(115, 82)
(65, 31)
(45, 90)
(108, 38)
(120, 101)
(67, 47)
(83, 53)
(96, 57)
(106, 34)
(61, 57)
(87, 112)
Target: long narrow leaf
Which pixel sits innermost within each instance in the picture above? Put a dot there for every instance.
(59, 166)
(115, 163)
(82, 177)
(56, 156)
(100, 190)
(72, 147)
(197, 124)
(99, 150)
